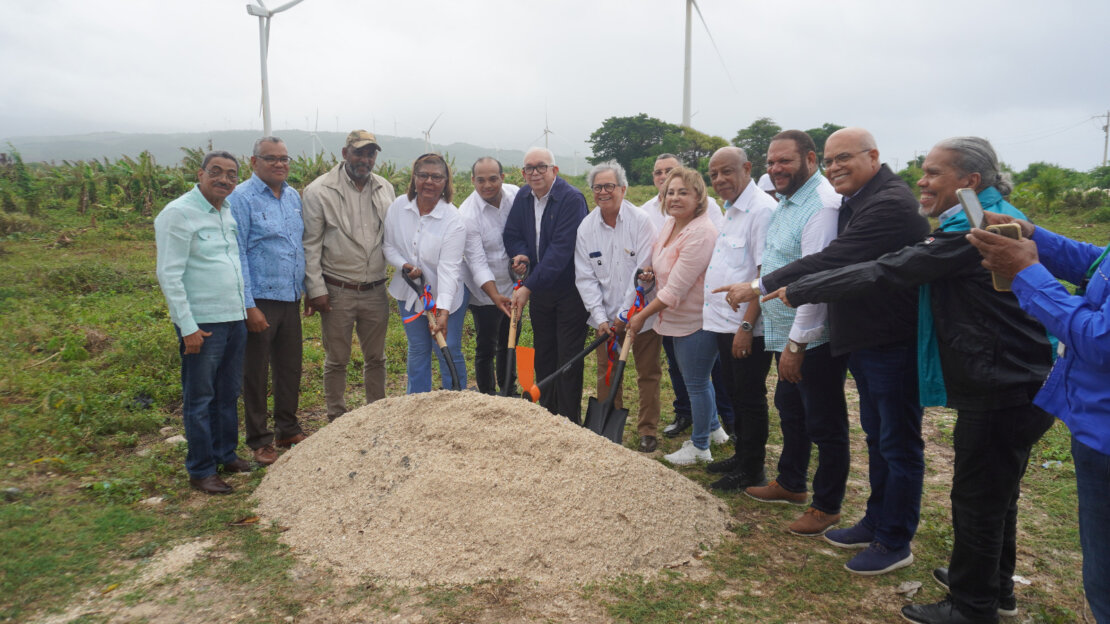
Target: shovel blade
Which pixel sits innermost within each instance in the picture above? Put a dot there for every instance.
(614, 425)
(595, 416)
(526, 366)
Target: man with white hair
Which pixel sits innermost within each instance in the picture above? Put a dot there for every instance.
(540, 232)
(613, 241)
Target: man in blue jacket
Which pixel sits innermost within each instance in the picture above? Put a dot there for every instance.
(1076, 391)
(541, 231)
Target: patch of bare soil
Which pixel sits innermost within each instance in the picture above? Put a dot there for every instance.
(451, 487)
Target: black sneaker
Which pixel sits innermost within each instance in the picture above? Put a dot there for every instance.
(943, 612)
(725, 466)
(1007, 605)
(738, 481)
(681, 423)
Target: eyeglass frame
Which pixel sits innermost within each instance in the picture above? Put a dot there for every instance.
(841, 158)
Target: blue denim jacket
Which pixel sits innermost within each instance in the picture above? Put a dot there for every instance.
(270, 247)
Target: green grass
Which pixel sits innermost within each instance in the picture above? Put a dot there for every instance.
(89, 376)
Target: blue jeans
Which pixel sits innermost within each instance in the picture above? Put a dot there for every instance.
(695, 355)
(814, 411)
(422, 344)
(210, 382)
(1092, 476)
(681, 403)
(890, 415)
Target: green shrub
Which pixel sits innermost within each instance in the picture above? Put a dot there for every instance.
(89, 278)
(13, 222)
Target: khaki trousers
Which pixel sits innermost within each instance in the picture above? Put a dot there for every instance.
(366, 312)
(649, 370)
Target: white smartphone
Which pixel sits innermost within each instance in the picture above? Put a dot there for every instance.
(972, 208)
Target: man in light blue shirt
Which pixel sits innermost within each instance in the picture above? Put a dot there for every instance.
(200, 275)
(268, 213)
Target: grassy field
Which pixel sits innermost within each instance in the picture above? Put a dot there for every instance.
(89, 391)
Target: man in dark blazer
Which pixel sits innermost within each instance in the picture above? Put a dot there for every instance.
(878, 330)
(541, 230)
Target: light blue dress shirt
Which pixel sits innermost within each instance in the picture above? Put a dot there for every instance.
(198, 262)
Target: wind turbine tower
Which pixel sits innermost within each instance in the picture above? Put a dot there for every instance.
(686, 67)
(263, 14)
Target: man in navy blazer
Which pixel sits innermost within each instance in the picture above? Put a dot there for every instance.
(547, 211)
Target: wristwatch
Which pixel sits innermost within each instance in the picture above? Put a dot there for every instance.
(794, 347)
(754, 285)
(746, 326)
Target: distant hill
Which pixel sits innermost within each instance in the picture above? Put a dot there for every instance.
(167, 147)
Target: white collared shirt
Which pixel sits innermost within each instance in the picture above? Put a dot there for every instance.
(433, 242)
(485, 248)
(736, 255)
(606, 259)
(655, 213)
(809, 322)
(540, 205)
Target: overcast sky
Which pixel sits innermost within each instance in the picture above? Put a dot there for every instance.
(1029, 75)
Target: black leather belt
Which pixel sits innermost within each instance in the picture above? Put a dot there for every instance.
(350, 286)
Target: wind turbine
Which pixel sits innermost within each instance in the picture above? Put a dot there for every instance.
(546, 130)
(316, 137)
(263, 14)
(691, 6)
(428, 134)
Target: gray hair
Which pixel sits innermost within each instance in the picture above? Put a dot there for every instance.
(666, 155)
(543, 150)
(219, 154)
(266, 139)
(609, 165)
(500, 170)
(975, 155)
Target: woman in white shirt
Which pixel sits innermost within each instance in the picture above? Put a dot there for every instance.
(425, 236)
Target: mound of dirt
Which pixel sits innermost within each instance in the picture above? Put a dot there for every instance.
(455, 487)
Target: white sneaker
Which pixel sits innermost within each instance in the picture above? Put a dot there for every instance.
(688, 454)
(719, 436)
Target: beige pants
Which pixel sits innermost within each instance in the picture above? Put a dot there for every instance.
(366, 312)
(649, 370)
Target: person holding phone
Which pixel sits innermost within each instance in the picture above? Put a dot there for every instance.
(1076, 391)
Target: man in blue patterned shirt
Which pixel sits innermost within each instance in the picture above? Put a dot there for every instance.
(268, 212)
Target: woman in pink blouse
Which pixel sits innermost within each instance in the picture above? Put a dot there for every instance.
(680, 258)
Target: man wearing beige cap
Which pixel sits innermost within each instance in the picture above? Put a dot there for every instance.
(345, 268)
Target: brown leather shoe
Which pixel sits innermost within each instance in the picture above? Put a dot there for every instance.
(648, 444)
(775, 493)
(813, 523)
(265, 455)
(290, 441)
(210, 485)
(239, 465)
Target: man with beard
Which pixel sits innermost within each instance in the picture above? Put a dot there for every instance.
(200, 275)
(810, 391)
(344, 210)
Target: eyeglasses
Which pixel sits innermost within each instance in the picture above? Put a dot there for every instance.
(608, 187)
(540, 169)
(661, 172)
(435, 177)
(842, 158)
(269, 160)
(230, 174)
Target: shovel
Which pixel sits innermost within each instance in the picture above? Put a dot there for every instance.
(425, 294)
(601, 418)
(519, 361)
(532, 391)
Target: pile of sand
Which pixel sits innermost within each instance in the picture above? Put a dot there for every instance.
(459, 486)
